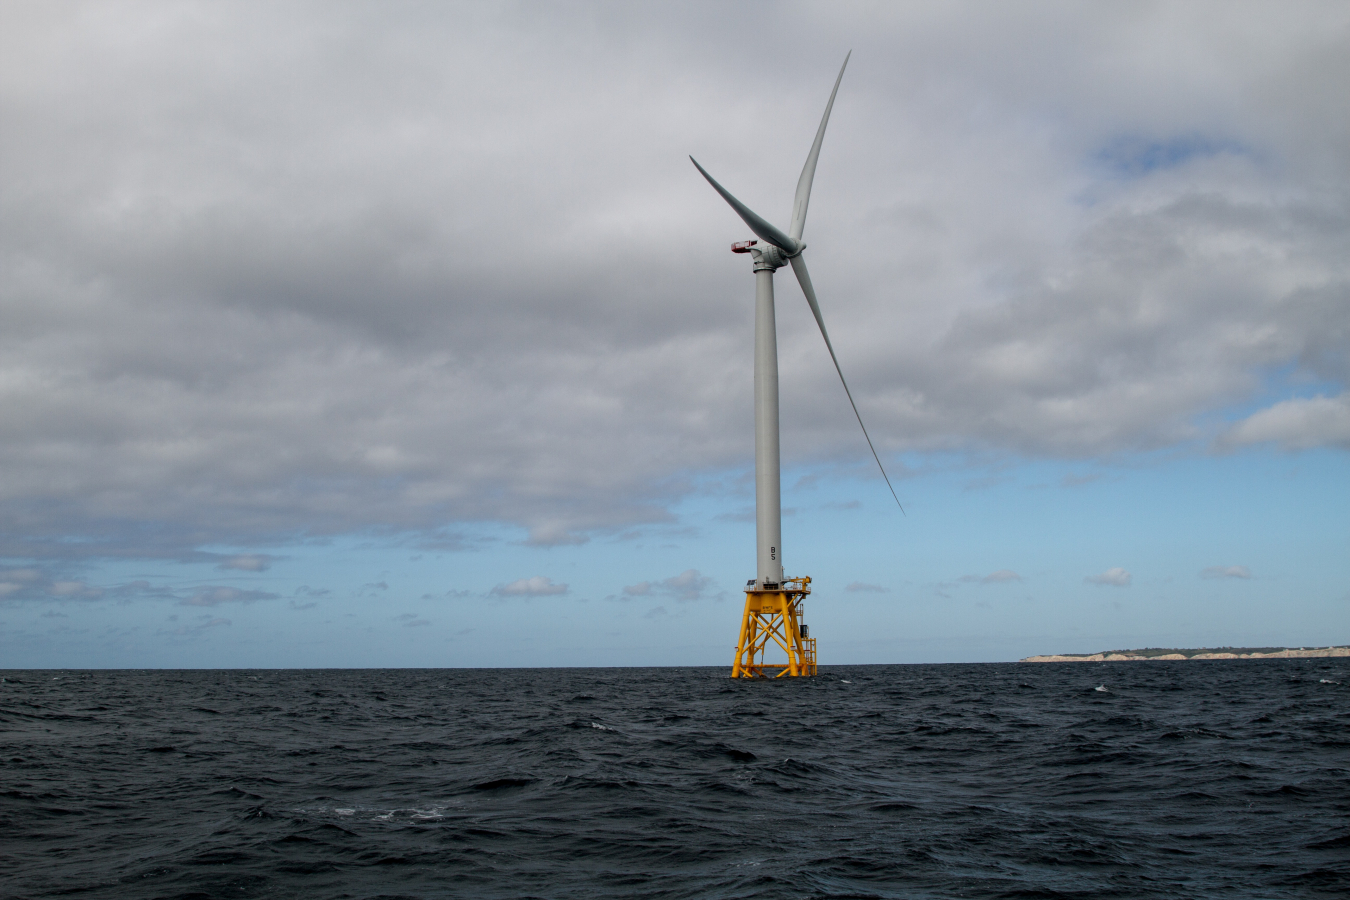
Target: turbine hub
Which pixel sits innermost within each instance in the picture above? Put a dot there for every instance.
(767, 257)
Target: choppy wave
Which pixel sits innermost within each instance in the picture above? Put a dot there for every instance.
(1182, 779)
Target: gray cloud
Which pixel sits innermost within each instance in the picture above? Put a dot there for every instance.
(37, 584)
(40, 585)
(860, 586)
(1226, 572)
(74, 589)
(17, 583)
(248, 562)
(260, 288)
(215, 596)
(688, 586)
(202, 624)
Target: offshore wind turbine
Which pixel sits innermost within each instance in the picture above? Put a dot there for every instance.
(773, 603)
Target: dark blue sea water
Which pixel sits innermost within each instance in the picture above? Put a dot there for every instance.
(1182, 779)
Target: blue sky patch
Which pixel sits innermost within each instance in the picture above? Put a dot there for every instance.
(1133, 157)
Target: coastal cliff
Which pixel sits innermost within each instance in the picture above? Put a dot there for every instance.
(1214, 653)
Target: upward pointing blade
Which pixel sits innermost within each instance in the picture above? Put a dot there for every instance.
(809, 170)
(804, 279)
(760, 227)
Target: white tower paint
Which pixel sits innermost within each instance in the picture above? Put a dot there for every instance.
(768, 479)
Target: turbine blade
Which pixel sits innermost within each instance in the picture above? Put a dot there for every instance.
(763, 229)
(809, 170)
(804, 279)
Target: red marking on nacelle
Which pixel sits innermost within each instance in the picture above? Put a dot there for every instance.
(743, 246)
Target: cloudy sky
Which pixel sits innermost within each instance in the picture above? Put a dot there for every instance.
(406, 334)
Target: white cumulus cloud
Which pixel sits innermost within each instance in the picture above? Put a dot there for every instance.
(538, 586)
(1114, 577)
(1296, 424)
(1002, 576)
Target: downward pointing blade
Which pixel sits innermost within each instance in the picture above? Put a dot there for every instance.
(809, 170)
(804, 279)
(760, 227)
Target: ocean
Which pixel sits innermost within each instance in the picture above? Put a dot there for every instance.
(1223, 779)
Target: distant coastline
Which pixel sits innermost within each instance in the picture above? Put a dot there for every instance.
(1203, 653)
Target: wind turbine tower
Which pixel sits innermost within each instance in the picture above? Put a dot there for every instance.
(773, 603)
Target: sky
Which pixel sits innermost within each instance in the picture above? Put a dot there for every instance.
(405, 334)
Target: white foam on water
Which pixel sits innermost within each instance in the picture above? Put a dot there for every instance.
(1103, 688)
(405, 814)
(400, 815)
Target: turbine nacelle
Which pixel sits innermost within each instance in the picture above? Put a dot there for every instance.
(776, 253)
(770, 257)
